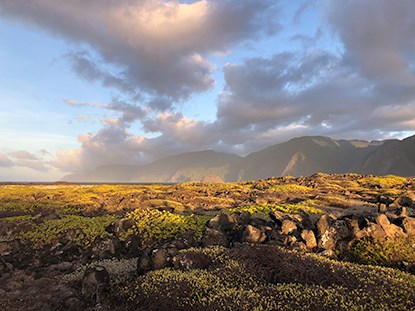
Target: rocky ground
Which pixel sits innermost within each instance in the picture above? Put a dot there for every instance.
(324, 242)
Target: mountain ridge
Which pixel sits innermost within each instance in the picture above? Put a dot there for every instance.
(299, 156)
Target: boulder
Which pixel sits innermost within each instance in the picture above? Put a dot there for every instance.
(288, 226)
(392, 231)
(277, 217)
(309, 238)
(243, 218)
(375, 232)
(252, 234)
(105, 249)
(408, 225)
(144, 264)
(223, 222)
(323, 224)
(407, 199)
(356, 227)
(327, 239)
(382, 208)
(214, 237)
(162, 258)
(191, 260)
(305, 220)
(338, 231)
(95, 283)
(121, 226)
(5, 249)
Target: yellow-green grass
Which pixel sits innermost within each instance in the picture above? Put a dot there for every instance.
(81, 230)
(152, 224)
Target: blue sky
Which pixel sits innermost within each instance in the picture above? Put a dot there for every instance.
(89, 83)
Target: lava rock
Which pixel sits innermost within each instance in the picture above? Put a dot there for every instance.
(223, 222)
(95, 283)
(288, 226)
(252, 234)
(309, 238)
(191, 260)
(214, 237)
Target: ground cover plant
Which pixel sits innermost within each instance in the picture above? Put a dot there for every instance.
(260, 245)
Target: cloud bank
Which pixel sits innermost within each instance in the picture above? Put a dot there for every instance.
(158, 47)
(158, 53)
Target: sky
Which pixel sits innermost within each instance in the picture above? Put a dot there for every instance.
(85, 83)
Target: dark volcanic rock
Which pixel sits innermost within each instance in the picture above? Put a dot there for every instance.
(407, 199)
(288, 226)
(214, 237)
(277, 217)
(191, 260)
(323, 224)
(252, 234)
(376, 232)
(106, 248)
(121, 226)
(95, 283)
(392, 231)
(310, 239)
(408, 225)
(222, 221)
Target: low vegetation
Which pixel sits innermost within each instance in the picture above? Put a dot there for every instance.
(55, 234)
(270, 278)
(262, 211)
(153, 224)
(384, 253)
(83, 231)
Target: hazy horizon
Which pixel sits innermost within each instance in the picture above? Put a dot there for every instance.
(98, 82)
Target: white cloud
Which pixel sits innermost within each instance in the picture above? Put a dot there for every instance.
(157, 53)
(159, 47)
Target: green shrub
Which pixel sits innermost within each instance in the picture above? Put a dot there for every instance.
(263, 210)
(82, 230)
(269, 278)
(383, 252)
(154, 224)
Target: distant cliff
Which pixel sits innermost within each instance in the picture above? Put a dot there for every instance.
(297, 157)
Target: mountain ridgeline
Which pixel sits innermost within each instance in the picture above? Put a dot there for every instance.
(298, 157)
